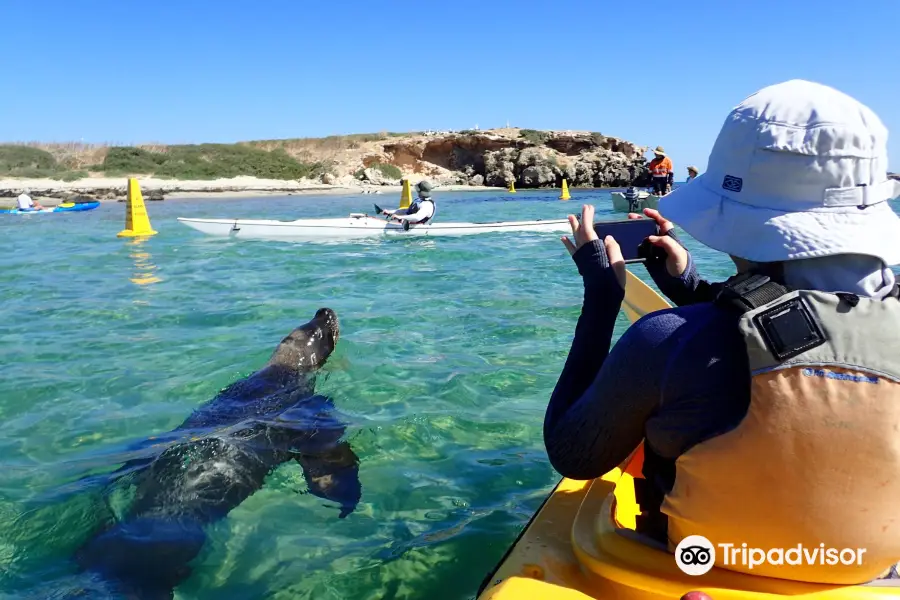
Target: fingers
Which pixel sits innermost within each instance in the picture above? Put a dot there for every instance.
(569, 245)
(665, 242)
(677, 260)
(573, 223)
(665, 226)
(587, 221)
(616, 261)
(634, 216)
(587, 217)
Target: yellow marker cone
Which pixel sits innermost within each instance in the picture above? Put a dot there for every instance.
(405, 195)
(137, 222)
(512, 187)
(565, 191)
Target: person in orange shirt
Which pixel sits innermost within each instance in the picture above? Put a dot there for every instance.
(662, 172)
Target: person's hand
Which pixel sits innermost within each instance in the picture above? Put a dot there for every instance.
(584, 233)
(676, 255)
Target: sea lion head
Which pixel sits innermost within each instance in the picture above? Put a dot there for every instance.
(308, 347)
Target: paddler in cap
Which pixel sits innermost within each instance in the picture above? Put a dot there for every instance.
(420, 211)
(769, 404)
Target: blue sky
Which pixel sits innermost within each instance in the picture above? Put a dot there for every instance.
(654, 73)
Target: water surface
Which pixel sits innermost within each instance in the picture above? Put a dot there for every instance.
(450, 348)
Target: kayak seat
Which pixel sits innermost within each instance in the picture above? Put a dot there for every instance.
(619, 562)
(645, 540)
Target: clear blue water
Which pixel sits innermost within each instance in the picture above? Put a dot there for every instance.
(450, 348)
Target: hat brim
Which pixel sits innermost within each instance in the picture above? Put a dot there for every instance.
(766, 235)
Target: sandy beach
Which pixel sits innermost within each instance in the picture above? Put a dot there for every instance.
(112, 189)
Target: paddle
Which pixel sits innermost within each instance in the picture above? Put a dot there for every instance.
(640, 298)
(405, 222)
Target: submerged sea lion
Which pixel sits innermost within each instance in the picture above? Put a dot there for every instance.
(219, 457)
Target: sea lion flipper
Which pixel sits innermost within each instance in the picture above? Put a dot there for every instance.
(333, 475)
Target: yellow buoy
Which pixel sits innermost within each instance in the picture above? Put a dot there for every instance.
(405, 195)
(565, 191)
(137, 222)
(512, 187)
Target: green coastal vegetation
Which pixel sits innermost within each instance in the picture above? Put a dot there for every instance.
(187, 162)
(286, 159)
(268, 159)
(25, 161)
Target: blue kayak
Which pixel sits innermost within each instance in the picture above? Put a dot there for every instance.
(64, 207)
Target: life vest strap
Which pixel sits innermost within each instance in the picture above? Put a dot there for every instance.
(788, 328)
(749, 291)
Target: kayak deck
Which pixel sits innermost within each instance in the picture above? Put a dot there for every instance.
(357, 226)
(581, 545)
(65, 207)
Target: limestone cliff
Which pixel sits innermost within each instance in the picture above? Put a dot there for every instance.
(528, 158)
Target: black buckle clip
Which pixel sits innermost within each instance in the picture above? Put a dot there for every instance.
(789, 329)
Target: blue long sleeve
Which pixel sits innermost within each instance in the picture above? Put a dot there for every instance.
(593, 333)
(676, 377)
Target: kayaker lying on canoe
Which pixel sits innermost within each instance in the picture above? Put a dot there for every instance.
(769, 404)
(420, 211)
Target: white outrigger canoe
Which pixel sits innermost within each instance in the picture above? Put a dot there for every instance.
(358, 226)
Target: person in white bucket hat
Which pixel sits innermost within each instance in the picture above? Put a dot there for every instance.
(769, 404)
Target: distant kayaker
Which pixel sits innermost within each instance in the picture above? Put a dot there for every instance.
(692, 174)
(25, 203)
(661, 171)
(420, 211)
(769, 404)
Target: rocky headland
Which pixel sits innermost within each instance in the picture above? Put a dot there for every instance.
(363, 162)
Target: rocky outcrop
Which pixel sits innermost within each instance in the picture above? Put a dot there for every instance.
(375, 177)
(530, 159)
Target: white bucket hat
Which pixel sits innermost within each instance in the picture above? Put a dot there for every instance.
(799, 170)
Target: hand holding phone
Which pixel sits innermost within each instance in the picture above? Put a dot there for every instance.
(581, 230)
(584, 233)
(632, 237)
(676, 255)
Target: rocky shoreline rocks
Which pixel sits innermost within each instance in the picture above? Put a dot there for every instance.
(526, 158)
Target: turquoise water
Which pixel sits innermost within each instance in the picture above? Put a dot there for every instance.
(449, 351)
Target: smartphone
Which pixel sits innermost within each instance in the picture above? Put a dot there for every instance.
(631, 235)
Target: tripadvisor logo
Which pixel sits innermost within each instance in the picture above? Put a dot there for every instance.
(696, 555)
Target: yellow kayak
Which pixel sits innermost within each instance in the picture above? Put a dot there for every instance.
(582, 544)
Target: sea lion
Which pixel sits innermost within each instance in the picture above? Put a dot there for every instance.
(219, 457)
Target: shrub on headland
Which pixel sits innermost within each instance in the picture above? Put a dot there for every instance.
(389, 171)
(33, 163)
(203, 161)
(534, 136)
(208, 161)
